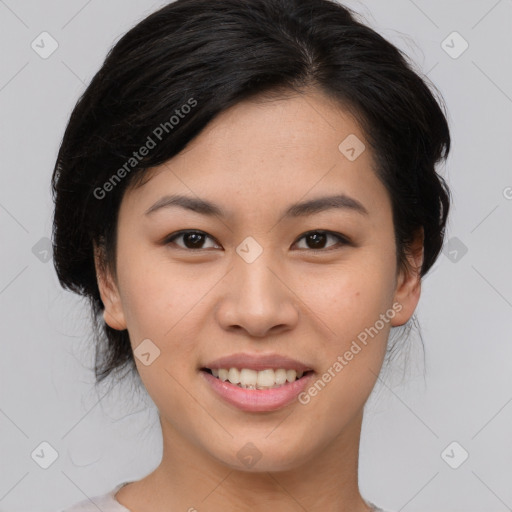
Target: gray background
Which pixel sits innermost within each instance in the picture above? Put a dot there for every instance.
(102, 436)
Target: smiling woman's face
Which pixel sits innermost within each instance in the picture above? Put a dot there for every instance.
(254, 283)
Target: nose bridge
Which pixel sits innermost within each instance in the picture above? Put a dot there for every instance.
(255, 283)
(256, 299)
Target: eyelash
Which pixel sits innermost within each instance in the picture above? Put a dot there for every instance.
(342, 240)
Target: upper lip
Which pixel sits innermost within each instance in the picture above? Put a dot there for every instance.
(257, 362)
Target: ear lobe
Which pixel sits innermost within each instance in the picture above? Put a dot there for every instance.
(408, 286)
(113, 312)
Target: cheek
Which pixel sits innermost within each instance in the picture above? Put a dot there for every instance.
(153, 297)
(158, 306)
(351, 296)
(168, 305)
(351, 304)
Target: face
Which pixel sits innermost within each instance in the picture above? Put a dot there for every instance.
(259, 285)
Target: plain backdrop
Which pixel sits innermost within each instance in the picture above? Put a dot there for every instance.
(436, 438)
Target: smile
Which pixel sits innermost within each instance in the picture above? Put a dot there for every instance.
(253, 397)
(247, 378)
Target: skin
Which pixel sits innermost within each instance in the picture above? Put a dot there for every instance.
(254, 160)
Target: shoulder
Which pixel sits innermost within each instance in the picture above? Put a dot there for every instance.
(104, 502)
(375, 508)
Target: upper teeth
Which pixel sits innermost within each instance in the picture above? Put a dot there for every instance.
(252, 379)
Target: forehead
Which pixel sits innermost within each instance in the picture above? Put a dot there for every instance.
(301, 126)
(265, 151)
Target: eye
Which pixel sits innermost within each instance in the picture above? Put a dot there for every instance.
(317, 239)
(191, 239)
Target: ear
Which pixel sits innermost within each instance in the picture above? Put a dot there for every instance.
(408, 284)
(113, 312)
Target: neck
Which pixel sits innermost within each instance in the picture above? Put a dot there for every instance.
(189, 479)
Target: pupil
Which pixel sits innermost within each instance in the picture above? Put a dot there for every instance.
(195, 243)
(318, 239)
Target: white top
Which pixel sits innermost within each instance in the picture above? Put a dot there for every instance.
(107, 503)
(104, 502)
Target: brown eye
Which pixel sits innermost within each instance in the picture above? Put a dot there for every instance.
(317, 240)
(192, 240)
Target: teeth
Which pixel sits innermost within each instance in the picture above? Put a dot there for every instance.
(247, 377)
(234, 376)
(266, 379)
(252, 379)
(280, 376)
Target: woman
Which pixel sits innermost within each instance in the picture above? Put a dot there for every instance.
(247, 194)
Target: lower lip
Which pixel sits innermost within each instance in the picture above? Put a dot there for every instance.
(257, 400)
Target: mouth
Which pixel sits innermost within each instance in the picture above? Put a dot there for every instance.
(256, 382)
(248, 378)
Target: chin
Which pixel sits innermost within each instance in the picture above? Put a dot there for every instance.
(262, 455)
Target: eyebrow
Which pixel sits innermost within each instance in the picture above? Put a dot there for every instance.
(311, 207)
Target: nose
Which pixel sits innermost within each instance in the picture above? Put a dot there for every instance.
(258, 298)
